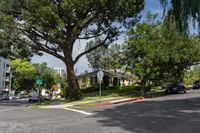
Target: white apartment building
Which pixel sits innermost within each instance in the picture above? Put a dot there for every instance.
(5, 75)
(59, 71)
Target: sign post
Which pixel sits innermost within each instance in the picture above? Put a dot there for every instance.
(100, 75)
(39, 82)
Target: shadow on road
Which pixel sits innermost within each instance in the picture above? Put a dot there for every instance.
(171, 116)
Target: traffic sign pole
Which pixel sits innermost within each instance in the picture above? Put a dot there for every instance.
(39, 82)
(100, 91)
(100, 75)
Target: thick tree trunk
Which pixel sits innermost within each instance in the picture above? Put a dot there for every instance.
(73, 86)
(142, 89)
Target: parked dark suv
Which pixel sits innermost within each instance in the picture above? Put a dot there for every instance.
(196, 84)
(173, 88)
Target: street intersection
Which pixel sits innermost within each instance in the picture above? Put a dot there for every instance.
(169, 114)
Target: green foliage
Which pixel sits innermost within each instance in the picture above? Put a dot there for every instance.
(157, 52)
(132, 87)
(53, 26)
(115, 82)
(23, 68)
(90, 89)
(105, 58)
(16, 84)
(49, 78)
(113, 88)
(96, 89)
(24, 73)
(63, 81)
(192, 75)
(47, 74)
(10, 44)
(183, 11)
(95, 57)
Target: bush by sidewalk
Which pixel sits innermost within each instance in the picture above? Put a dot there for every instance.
(95, 89)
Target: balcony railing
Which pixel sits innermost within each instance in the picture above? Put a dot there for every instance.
(8, 70)
(7, 79)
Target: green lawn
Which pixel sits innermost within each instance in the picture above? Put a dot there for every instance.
(126, 92)
(97, 103)
(95, 95)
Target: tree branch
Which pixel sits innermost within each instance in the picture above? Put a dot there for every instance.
(94, 36)
(76, 30)
(89, 37)
(91, 49)
(39, 46)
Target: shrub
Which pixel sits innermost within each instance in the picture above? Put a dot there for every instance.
(66, 92)
(112, 88)
(115, 82)
(90, 89)
(95, 89)
(148, 88)
(135, 88)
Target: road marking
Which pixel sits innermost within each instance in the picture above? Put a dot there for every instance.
(65, 108)
(79, 111)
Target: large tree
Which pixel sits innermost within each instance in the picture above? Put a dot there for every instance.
(24, 75)
(157, 51)
(105, 58)
(53, 26)
(95, 57)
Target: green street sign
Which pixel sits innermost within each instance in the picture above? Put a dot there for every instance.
(39, 81)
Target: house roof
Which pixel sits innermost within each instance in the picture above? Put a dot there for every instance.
(109, 72)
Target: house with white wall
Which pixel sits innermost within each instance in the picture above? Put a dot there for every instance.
(5, 75)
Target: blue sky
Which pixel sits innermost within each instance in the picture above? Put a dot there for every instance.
(82, 65)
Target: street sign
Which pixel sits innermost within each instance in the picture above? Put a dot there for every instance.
(100, 75)
(39, 81)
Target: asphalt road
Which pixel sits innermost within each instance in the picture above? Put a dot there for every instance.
(169, 114)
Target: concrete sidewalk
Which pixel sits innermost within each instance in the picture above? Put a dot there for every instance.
(71, 104)
(126, 100)
(115, 100)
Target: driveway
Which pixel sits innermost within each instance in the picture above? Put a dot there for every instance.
(169, 114)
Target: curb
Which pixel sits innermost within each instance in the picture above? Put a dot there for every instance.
(128, 100)
(110, 102)
(96, 106)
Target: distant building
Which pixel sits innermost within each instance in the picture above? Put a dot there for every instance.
(5, 75)
(111, 78)
(59, 71)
